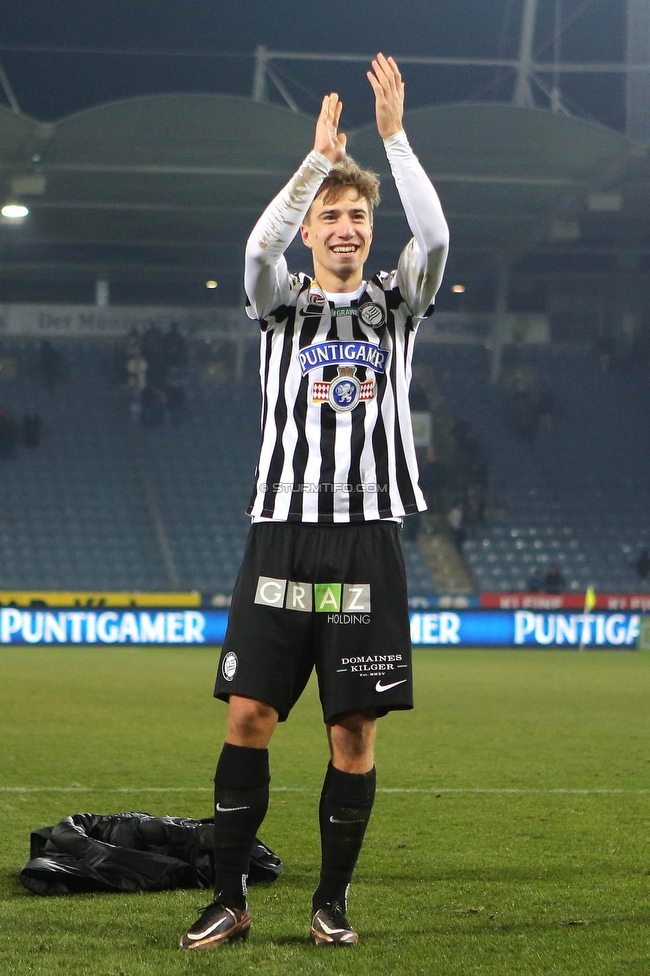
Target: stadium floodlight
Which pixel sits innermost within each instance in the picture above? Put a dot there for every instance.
(211, 284)
(458, 289)
(14, 211)
(605, 202)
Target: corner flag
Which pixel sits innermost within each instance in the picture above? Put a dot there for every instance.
(590, 603)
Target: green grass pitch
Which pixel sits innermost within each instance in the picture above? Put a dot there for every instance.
(524, 848)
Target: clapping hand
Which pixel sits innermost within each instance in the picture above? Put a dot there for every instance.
(329, 141)
(388, 87)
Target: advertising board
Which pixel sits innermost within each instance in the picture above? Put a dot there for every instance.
(444, 628)
(564, 601)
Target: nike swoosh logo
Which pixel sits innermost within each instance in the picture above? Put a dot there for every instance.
(325, 927)
(334, 820)
(221, 809)
(380, 687)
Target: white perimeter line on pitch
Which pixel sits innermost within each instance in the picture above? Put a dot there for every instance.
(300, 789)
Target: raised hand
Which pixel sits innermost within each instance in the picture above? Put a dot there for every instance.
(328, 140)
(388, 87)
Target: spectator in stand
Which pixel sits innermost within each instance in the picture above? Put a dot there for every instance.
(642, 565)
(132, 343)
(535, 581)
(474, 504)
(136, 372)
(155, 353)
(152, 407)
(479, 483)
(554, 581)
(151, 342)
(32, 428)
(8, 435)
(123, 350)
(175, 395)
(174, 357)
(467, 456)
(175, 347)
(456, 520)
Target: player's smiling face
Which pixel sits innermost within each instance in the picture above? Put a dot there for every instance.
(339, 234)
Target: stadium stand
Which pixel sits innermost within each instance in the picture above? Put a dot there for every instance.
(73, 513)
(572, 493)
(104, 503)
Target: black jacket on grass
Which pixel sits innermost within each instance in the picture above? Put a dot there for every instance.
(130, 852)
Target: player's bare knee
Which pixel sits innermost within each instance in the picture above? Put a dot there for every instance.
(352, 741)
(250, 723)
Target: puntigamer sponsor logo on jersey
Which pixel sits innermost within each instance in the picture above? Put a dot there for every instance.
(337, 353)
(344, 603)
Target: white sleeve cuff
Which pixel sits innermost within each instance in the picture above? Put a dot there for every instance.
(319, 162)
(398, 139)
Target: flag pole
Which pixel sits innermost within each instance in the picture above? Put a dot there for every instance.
(590, 603)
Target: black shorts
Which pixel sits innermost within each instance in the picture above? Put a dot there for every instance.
(331, 597)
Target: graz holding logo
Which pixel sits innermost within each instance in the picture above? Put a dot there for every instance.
(348, 618)
(336, 599)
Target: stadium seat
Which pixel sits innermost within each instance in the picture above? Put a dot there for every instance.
(577, 493)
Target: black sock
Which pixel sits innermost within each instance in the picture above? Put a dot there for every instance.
(241, 799)
(345, 808)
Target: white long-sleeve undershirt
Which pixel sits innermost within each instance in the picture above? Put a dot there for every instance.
(421, 263)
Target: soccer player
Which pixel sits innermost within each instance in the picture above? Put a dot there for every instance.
(323, 583)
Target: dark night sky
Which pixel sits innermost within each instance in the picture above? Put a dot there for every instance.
(48, 86)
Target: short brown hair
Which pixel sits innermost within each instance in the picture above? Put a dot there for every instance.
(349, 175)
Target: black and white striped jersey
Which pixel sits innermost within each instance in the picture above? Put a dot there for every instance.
(337, 444)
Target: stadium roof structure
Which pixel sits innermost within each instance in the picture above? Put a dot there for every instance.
(158, 193)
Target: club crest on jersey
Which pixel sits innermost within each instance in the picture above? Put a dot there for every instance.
(316, 296)
(345, 392)
(229, 665)
(372, 314)
(315, 304)
(316, 301)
